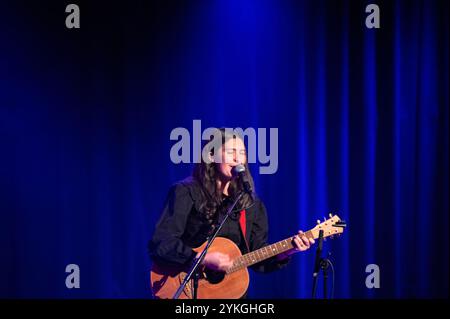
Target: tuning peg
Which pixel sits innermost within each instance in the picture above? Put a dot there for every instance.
(324, 219)
(331, 215)
(318, 222)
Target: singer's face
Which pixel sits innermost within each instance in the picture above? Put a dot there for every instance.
(232, 153)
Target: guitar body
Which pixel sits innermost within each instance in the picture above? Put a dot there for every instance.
(165, 281)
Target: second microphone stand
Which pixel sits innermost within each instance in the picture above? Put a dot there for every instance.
(320, 264)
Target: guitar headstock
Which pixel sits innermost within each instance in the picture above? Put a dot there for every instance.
(332, 226)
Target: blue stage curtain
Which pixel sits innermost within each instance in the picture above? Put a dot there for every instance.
(86, 115)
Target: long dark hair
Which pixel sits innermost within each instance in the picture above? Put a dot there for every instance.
(206, 174)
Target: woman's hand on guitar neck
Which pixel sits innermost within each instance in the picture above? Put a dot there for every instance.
(217, 261)
(300, 242)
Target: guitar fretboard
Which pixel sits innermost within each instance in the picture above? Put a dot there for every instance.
(264, 253)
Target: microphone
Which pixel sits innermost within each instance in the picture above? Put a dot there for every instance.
(239, 171)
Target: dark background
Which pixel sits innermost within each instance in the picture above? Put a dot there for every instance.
(86, 115)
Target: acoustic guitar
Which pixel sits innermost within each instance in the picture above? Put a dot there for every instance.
(234, 283)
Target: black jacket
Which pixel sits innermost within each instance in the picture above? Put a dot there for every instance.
(182, 227)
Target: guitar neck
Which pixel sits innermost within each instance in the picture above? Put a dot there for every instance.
(264, 253)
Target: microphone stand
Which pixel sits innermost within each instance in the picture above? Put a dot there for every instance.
(193, 272)
(324, 263)
(320, 264)
(317, 263)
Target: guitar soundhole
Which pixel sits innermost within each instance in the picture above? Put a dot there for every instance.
(214, 277)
